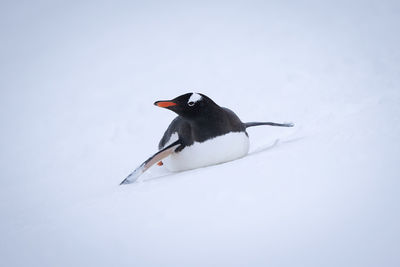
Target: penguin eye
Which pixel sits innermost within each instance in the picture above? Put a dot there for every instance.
(191, 103)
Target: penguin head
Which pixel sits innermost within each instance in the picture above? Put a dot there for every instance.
(189, 106)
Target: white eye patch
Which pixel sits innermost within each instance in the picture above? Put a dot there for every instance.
(194, 98)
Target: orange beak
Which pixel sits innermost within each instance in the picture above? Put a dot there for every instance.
(164, 104)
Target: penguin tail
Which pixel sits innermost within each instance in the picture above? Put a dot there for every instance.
(251, 124)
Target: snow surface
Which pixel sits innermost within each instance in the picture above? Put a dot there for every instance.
(78, 79)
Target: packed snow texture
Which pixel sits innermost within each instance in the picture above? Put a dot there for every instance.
(78, 79)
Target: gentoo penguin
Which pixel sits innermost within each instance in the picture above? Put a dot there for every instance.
(202, 134)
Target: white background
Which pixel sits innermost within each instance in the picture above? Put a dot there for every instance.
(78, 80)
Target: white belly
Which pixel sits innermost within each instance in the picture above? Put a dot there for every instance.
(217, 150)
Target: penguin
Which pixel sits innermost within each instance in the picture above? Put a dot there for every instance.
(202, 134)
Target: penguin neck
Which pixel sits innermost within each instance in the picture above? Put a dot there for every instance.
(212, 124)
(212, 118)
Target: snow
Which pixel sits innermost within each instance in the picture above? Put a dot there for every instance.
(76, 115)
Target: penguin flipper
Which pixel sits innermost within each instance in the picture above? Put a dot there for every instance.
(177, 124)
(163, 153)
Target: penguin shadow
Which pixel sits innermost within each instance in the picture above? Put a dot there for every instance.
(277, 142)
(153, 177)
(157, 173)
(164, 173)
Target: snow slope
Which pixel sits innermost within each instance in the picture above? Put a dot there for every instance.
(77, 87)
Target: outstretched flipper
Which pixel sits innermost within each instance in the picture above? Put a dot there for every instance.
(163, 153)
(251, 124)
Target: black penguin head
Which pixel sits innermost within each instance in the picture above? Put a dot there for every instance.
(189, 106)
